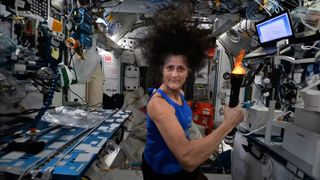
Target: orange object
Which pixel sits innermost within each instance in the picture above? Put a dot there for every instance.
(203, 114)
(263, 3)
(218, 2)
(57, 26)
(75, 45)
(72, 43)
(238, 69)
(33, 130)
(211, 52)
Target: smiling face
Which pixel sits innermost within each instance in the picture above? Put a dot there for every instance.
(175, 72)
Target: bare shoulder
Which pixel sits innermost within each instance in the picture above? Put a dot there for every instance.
(158, 106)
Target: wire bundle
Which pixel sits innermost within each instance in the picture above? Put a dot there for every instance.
(48, 101)
(252, 11)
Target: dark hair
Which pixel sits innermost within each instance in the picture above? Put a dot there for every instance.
(176, 37)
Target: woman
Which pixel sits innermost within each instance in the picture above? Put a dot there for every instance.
(177, 50)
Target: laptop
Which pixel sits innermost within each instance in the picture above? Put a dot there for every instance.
(270, 31)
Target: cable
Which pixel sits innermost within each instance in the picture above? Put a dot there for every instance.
(313, 2)
(251, 37)
(227, 7)
(304, 23)
(77, 95)
(253, 131)
(252, 11)
(263, 7)
(50, 95)
(112, 10)
(262, 100)
(245, 29)
(308, 26)
(310, 47)
(69, 15)
(36, 84)
(82, 12)
(71, 58)
(119, 8)
(261, 91)
(294, 4)
(278, 5)
(264, 126)
(287, 92)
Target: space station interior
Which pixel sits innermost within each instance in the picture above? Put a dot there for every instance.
(75, 84)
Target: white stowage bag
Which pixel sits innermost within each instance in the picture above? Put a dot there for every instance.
(85, 68)
(133, 145)
(127, 56)
(140, 59)
(132, 77)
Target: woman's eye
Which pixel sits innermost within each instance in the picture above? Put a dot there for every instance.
(170, 68)
(181, 69)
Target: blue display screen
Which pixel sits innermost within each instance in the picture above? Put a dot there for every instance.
(276, 28)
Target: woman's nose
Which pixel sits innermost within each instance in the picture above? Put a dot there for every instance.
(175, 72)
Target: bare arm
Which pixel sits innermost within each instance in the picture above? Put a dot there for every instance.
(192, 153)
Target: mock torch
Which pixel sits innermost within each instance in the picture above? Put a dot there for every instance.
(236, 79)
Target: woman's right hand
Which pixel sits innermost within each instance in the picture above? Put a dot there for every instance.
(233, 116)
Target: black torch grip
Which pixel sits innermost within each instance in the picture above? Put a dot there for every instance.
(236, 82)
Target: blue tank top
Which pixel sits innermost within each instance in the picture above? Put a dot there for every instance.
(156, 152)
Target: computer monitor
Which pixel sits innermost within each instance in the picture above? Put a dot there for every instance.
(274, 28)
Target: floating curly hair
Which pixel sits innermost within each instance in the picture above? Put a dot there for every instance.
(176, 37)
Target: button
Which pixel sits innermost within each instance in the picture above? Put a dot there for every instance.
(300, 174)
(292, 168)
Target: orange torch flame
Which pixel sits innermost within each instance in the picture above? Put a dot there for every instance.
(238, 69)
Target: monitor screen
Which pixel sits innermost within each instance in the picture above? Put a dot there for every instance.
(274, 28)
